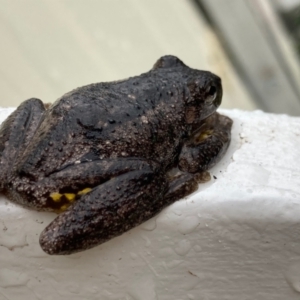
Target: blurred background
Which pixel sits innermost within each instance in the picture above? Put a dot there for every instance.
(49, 47)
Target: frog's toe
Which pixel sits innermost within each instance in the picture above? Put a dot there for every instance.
(52, 241)
(105, 212)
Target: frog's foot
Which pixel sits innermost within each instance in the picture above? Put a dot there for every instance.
(105, 212)
(207, 146)
(183, 185)
(15, 133)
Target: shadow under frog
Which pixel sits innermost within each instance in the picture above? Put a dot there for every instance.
(102, 155)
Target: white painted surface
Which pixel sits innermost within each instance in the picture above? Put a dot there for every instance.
(236, 238)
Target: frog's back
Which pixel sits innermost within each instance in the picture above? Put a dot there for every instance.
(137, 117)
(133, 115)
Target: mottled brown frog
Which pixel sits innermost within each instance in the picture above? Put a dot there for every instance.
(104, 155)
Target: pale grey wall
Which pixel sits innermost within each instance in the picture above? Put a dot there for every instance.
(49, 47)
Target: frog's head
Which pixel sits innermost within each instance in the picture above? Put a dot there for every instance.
(204, 95)
(203, 89)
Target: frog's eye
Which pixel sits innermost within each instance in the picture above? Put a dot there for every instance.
(168, 61)
(211, 93)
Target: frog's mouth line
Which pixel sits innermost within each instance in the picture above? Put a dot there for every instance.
(198, 124)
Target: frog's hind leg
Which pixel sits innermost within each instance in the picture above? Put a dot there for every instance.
(105, 212)
(15, 133)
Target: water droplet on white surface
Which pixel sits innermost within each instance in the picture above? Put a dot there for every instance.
(177, 212)
(183, 247)
(143, 288)
(149, 225)
(94, 290)
(73, 288)
(148, 242)
(166, 252)
(188, 224)
(133, 255)
(9, 278)
(197, 248)
(293, 276)
(11, 242)
(174, 263)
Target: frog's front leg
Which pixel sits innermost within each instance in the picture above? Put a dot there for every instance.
(106, 211)
(15, 133)
(207, 146)
(200, 153)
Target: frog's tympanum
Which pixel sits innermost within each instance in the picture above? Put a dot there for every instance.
(103, 156)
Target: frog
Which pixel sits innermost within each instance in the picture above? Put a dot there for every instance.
(108, 156)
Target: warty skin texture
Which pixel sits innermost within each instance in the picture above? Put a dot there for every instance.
(101, 155)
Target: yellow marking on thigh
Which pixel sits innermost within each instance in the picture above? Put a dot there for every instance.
(64, 207)
(70, 197)
(84, 191)
(56, 197)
